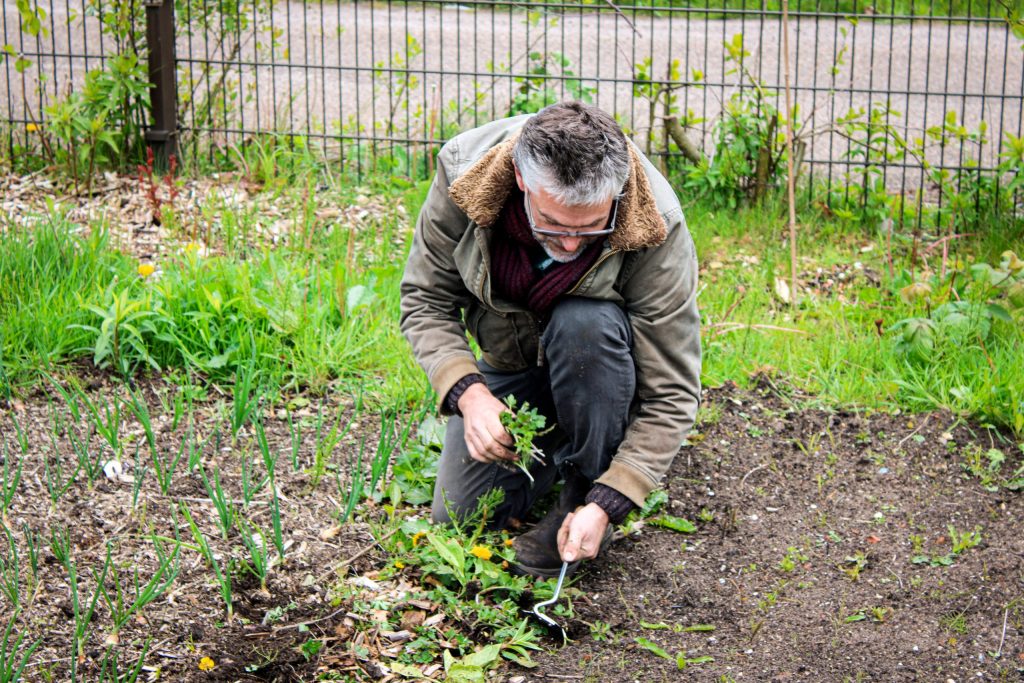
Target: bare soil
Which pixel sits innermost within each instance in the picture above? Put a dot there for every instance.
(842, 495)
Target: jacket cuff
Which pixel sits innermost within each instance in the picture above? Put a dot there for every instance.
(629, 481)
(615, 505)
(451, 401)
(447, 374)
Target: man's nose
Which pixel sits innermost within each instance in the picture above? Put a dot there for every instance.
(571, 243)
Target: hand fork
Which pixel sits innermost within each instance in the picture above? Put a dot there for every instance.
(538, 608)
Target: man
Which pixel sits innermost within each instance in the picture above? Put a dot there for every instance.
(566, 256)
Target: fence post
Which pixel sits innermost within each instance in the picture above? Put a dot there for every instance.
(162, 136)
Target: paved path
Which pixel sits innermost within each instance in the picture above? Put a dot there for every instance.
(328, 72)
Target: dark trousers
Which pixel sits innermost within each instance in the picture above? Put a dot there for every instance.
(585, 388)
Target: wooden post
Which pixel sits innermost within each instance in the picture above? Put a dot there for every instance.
(162, 136)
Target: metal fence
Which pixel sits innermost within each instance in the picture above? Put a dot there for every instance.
(364, 81)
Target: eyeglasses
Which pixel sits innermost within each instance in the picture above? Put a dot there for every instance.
(569, 233)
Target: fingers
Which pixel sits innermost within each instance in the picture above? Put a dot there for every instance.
(563, 535)
(579, 537)
(486, 438)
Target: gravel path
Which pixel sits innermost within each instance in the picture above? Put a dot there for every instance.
(329, 72)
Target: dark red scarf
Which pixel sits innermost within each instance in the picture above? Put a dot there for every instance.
(514, 250)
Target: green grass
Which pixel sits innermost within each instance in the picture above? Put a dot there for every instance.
(830, 345)
(319, 312)
(307, 317)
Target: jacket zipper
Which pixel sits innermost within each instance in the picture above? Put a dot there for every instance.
(601, 259)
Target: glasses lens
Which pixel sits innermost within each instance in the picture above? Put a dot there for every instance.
(569, 233)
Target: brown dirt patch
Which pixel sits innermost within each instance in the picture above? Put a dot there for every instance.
(839, 488)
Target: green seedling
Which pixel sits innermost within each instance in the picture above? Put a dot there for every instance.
(854, 564)
(83, 613)
(223, 577)
(11, 478)
(10, 572)
(32, 542)
(255, 542)
(247, 396)
(221, 503)
(121, 610)
(11, 667)
(110, 665)
(353, 493)
(524, 425)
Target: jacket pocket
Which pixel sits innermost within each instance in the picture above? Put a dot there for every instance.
(508, 341)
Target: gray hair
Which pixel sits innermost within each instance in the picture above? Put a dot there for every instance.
(575, 151)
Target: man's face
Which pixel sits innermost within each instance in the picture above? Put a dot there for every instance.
(582, 224)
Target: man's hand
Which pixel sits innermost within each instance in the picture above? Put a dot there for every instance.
(486, 438)
(580, 535)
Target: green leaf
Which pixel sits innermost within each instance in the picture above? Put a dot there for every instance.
(484, 657)
(660, 626)
(653, 647)
(699, 628)
(655, 501)
(997, 311)
(671, 523)
(451, 552)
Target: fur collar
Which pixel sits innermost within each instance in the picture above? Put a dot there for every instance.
(482, 190)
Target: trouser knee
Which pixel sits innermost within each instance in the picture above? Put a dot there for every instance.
(579, 327)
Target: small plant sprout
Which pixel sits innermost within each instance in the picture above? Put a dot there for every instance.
(525, 425)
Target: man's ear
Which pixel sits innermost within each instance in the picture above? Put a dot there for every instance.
(519, 178)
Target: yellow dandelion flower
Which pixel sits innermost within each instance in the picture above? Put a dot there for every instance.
(192, 247)
(146, 269)
(482, 552)
(399, 564)
(508, 542)
(504, 564)
(418, 536)
(31, 128)
(205, 664)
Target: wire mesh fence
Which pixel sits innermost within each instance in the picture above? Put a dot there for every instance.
(881, 90)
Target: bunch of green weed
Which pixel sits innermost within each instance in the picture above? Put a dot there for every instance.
(957, 346)
(468, 570)
(46, 272)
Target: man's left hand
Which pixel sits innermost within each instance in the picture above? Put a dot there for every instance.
(580, 535)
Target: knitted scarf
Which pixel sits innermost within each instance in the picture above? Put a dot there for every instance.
(514, 250)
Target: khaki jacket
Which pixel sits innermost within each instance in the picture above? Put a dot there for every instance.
(648, 266)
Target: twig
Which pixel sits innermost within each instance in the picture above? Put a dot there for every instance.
(744, 479)
(733, 327)
(345, 563)
(624, 17)
(919, 428)
(311, 622)
(790, 174)
(999, 650)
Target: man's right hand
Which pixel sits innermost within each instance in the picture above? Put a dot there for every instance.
(486, 437)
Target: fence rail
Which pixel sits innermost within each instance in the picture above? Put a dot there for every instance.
(396, 78)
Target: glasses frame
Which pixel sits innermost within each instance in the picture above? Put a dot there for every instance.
(581, 234)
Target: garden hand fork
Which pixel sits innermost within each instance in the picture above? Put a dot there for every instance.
(538, 612)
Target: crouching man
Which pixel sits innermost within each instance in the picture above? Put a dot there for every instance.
(564, 253)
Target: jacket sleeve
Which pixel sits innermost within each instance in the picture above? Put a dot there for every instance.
(660, 296)
(433, 293)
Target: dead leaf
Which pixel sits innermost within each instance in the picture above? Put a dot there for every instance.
(330, 532)
(412, 619)
(782, 290)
